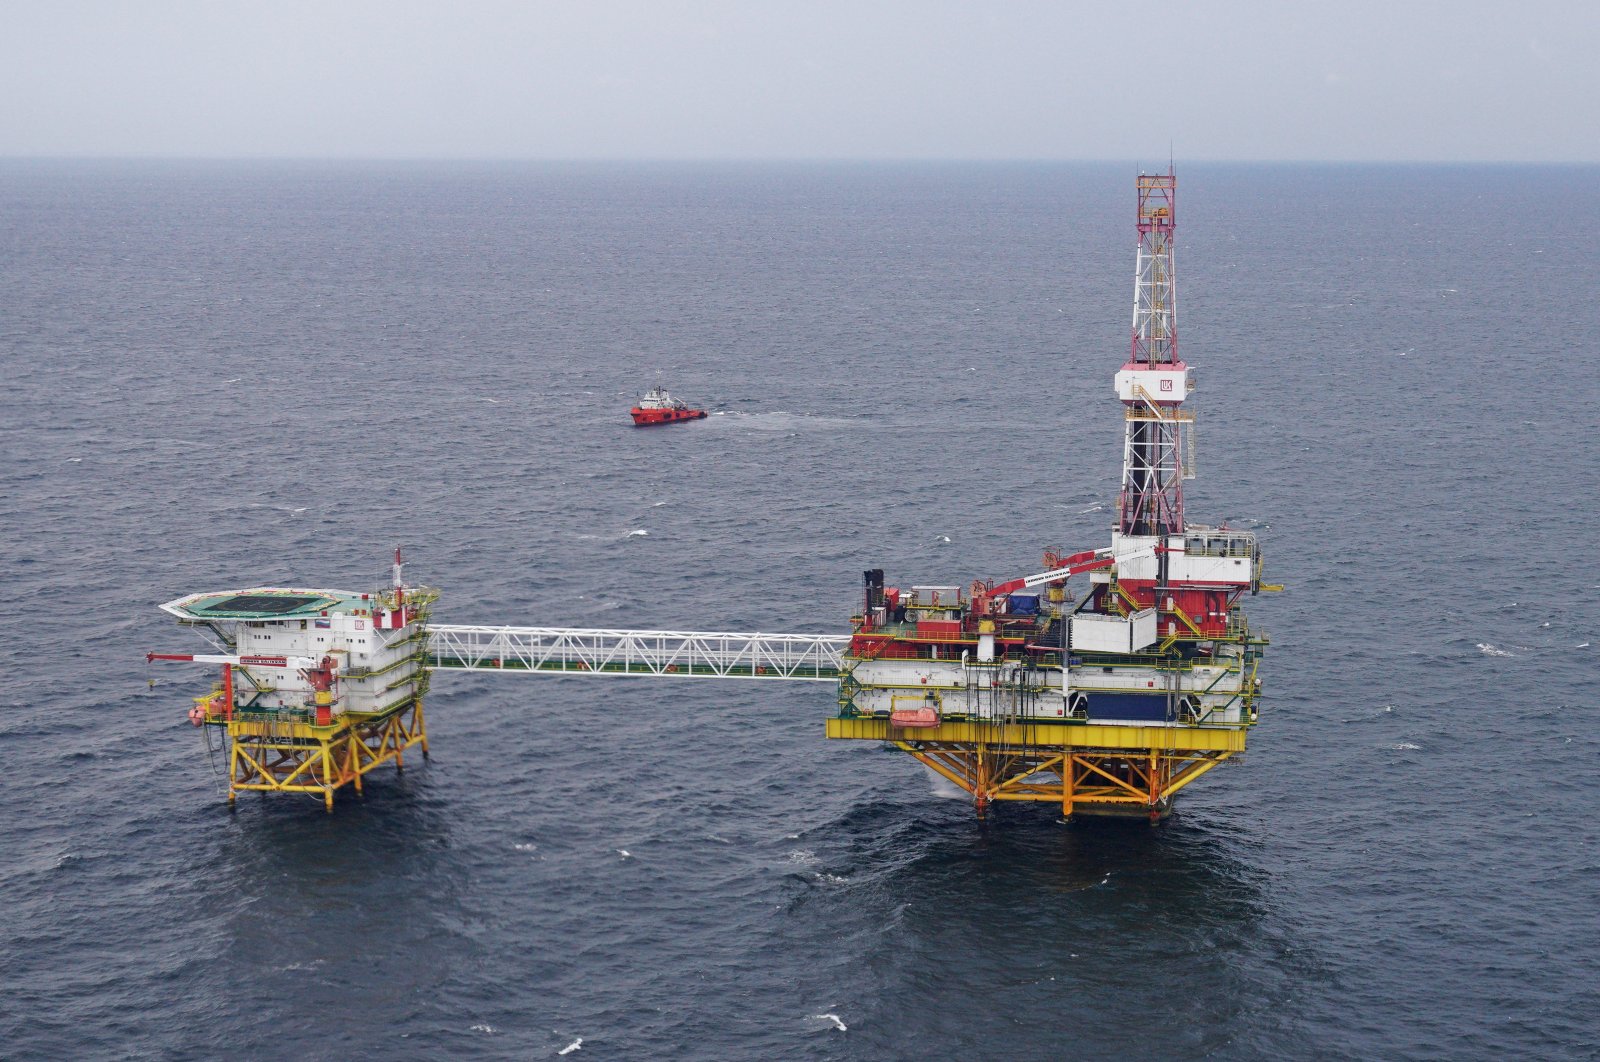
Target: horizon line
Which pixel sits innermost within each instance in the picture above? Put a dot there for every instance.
(774, 159)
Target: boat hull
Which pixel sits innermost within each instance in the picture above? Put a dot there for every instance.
(645, 418)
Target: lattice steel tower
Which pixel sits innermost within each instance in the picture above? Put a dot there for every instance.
(1154, 382)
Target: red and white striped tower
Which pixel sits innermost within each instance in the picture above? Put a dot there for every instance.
(1154, 382)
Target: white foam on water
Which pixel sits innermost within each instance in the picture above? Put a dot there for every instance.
(483, 1028)
(637, 533)
(1489, 650)
(525, 847)
(573, 1046)
(624, 853)
(310, 965)
(942, 787)
(838, 1022)
(1404, 746)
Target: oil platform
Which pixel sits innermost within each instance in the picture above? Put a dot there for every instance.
(317, 687)
(1105, 701)
(1110, 701)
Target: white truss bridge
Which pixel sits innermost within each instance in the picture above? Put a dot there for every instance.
(684, 654)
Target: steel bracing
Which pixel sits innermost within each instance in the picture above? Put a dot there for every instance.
(1082, 768)
(681, 654)
(1105, 782)
(1155, 285)
(274, 756)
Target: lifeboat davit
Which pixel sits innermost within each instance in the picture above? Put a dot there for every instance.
(658, 407)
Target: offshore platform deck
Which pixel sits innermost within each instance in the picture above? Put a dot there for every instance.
(1107, 699)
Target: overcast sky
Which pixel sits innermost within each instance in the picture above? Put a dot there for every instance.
(650, 79)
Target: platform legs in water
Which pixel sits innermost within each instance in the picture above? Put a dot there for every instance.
(1128, 783)
(293, 757)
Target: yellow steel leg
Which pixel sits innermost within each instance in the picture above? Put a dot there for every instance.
(327, 777)
(1066, 785)
(1155, 786)
(354, 761)
(980, 778)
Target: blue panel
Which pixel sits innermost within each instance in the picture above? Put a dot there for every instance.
(1024, 604)
(1142, 707)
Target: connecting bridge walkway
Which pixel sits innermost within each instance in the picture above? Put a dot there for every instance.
(682, 654)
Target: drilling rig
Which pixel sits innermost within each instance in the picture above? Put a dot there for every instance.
(1106, 700)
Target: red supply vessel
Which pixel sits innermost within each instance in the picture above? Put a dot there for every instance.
(658, 407)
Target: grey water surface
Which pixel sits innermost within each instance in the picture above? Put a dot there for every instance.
(228, 374)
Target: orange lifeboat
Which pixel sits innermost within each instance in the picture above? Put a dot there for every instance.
(923, 716)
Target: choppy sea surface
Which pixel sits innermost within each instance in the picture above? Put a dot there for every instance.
(219, 375)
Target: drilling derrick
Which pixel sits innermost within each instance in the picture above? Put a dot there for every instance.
(1154, 382)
